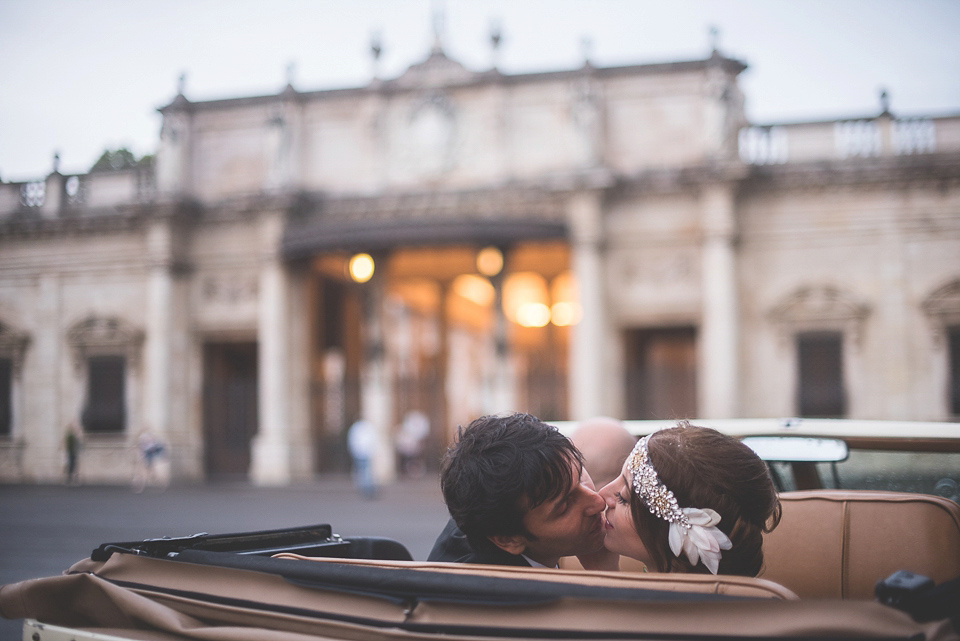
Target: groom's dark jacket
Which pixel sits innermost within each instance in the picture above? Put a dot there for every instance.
(452, 545)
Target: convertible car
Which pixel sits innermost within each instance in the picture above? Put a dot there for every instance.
(844, 563)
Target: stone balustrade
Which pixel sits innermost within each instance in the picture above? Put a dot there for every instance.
(848, 139)
(62, 195)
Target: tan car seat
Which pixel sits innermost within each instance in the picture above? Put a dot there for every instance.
(838, 544)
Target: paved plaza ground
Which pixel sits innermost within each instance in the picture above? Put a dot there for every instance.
(46, 528)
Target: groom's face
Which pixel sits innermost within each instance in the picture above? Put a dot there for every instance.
(567, 525)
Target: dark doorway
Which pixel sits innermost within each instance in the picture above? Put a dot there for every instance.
(6, 397)
(229, 407)
(661, 368)
(820, 392)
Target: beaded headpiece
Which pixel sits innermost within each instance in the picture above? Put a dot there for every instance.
(693, 531)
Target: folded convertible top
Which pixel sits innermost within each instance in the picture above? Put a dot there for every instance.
(409, 586)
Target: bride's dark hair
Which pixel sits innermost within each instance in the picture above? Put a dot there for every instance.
(706, 469)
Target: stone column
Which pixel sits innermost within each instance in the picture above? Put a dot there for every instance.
(376, 398)
(46, 415)
(719, 373)
(270, 464)
(587, 355)
(159, 326)
(503, 388)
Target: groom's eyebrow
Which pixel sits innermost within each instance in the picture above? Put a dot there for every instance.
(565, 498)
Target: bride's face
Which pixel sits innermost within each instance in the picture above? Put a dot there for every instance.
(621, 534)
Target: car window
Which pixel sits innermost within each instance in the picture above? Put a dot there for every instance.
(935, 473)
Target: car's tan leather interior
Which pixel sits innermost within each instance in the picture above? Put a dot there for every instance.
(138, 597)
(838, 544)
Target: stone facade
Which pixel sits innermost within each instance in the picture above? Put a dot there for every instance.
(212, 285)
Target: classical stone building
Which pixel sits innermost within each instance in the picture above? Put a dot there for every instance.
(614, 241)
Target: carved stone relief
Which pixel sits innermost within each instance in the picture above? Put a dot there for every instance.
(230, 289)
(659, 268)
(429, 138)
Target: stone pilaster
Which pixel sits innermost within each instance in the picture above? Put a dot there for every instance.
(588, 357)
(376, 398)
(270, 464)
(46, 416)
(718, 381)
(503, 385)
(159, 327)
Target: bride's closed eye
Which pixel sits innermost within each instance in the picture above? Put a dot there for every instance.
(620, 499)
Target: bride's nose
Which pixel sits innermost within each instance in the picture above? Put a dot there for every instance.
(608, 494)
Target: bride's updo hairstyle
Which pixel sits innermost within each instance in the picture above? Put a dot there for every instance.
(706, 469)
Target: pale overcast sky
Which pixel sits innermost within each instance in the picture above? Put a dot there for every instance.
(79, 76)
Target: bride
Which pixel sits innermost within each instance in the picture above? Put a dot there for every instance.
(690, 499)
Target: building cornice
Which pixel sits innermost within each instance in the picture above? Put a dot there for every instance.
(938, 169)
(401, 85)
(31, 224)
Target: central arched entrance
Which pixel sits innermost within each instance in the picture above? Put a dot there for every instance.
(444, 331)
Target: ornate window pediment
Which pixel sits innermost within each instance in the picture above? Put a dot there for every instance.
(13, 345)
(100, 336)
(820, 308)
(943, 308)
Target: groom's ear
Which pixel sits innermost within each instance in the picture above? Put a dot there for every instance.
(514, 544)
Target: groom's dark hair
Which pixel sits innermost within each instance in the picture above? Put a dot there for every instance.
(499, 468)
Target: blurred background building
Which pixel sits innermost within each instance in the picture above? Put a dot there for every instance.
(600, 240)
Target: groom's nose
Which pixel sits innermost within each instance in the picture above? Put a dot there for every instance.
(594, 502)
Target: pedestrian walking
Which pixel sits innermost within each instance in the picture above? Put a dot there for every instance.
(362, 443)
(72, 443)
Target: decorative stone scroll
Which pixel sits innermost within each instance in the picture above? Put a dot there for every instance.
(821, 307)
(102, 336)
(230, 289)
(13, 345)
(942, 307)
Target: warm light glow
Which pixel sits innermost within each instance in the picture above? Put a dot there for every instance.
(361, 268)
(521, 289)
(489, 261)
(566, 308)
(474, 288)
(565, 313)
(533, 315)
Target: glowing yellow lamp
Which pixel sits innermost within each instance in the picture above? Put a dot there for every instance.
(361, 267)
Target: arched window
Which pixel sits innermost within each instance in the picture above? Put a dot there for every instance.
(943, 309)
(103, 350)
(13, 344)
(821, 323)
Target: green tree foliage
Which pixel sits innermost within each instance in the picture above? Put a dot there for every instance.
(112, 160)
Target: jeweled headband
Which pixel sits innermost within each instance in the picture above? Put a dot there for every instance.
(693, 531)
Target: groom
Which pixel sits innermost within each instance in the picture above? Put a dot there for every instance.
(518, 494)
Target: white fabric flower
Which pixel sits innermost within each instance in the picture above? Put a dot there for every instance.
(702, 541)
